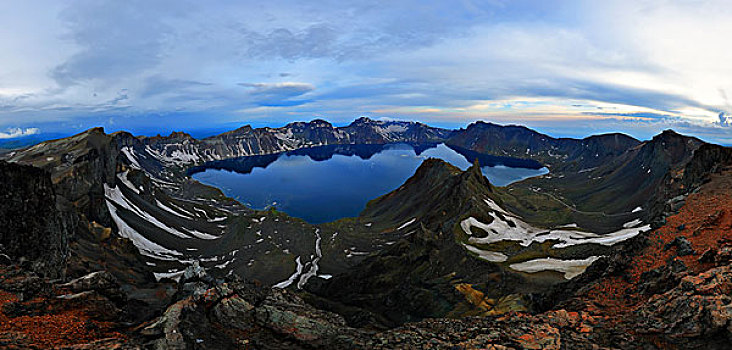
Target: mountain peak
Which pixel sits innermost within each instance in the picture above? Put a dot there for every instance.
(666, 134)
(321, 122)
(180, 134)
(475, 168)
(94, 130)
(362, 120)
(435, 181)
(474, 174)
(672, 136)
(240, 130)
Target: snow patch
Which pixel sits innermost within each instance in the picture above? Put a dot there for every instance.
(407, 223)
(176, 275)
(286, 283)
(487, 255)
(568, 226)
(223, 266)
(123, 177)
(116, 196)
(570, 268)
(499, 230)
(314, 264)
(495, 206)
(145, 246)
(633, 223)
(129, 153)
(170, 210)
(201, 235)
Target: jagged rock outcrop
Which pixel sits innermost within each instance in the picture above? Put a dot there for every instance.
(556, 330)
(79, 165)
(707, 161)
(33, 230)
(233, 314)
(696, 314)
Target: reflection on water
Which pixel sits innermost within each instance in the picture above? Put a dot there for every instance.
(325, 183)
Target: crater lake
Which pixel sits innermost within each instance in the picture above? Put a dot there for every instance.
(326, 183)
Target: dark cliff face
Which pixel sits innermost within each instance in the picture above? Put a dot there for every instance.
(707, 160)
(33, 229)
(79, 166)
(75, 170)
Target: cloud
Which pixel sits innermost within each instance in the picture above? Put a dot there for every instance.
(114, 39)
(12, 133)
(158, 84)
(724, 119)
(516, 61)
(635, 115)
(278, 94)
(315, 41)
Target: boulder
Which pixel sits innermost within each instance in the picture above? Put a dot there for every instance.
(697, 313)
(683, 246)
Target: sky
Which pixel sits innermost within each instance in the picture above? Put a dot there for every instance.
(567, 68)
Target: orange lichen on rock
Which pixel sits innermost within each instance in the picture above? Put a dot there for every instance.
(704, 221)
(50, 330)
(475, 297)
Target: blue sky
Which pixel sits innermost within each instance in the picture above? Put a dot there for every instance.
(568, 68)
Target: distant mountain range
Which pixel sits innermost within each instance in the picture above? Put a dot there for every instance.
(446, 244)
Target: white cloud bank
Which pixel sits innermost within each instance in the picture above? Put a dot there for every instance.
(12, 133)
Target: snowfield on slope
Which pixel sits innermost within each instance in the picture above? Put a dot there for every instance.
(487, 254)
(146, 247)
(570, 268)
(116, 196)
(511, 228)
(508, 227)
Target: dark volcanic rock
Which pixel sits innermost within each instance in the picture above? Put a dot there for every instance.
(661, 279)
(683, 247)
(101, 282)
(697, 313)
(79, 165)
(558, 329)
(234, 314)
(33, 229)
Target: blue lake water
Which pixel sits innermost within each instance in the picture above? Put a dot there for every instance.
(326, 183)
